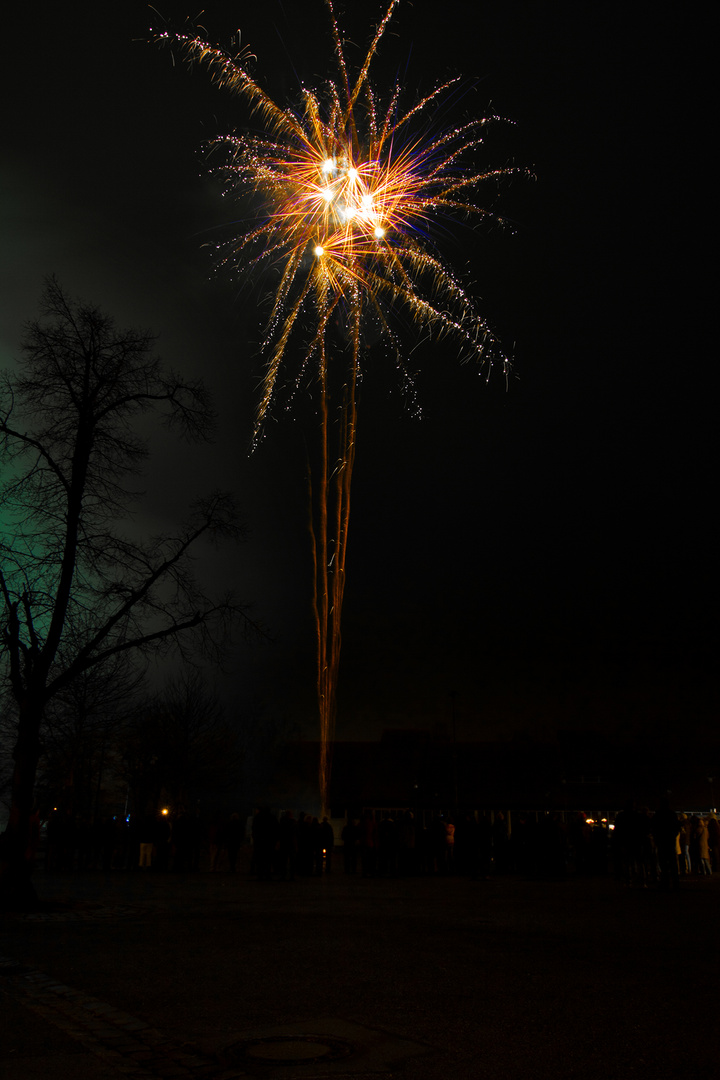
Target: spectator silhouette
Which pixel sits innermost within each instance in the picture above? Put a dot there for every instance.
(703, 847)
(327, 843)
(405, 832)
(287, 846)
(234, 836)
(665, 828)
(714, 842)
(387, 847)
(305, 844)
(350, 837)
(368, 843)
(265, 838)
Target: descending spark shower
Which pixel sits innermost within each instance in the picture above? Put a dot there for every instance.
(349, 187)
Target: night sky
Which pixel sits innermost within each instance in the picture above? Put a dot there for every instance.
(540, 554)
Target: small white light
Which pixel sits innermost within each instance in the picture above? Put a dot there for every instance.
(352, 174)
(319, 250)
(328, 194)
(379, 232)
(328, 165)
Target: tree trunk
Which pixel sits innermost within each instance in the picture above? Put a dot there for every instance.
(18, 843)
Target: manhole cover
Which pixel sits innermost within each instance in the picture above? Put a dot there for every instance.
(288, 1050)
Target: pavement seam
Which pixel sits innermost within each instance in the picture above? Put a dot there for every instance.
(130, 1045)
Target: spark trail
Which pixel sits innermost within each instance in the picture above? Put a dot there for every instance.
(349, 185)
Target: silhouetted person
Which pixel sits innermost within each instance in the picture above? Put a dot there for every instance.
(437, 844)
(701, 832)
(214, 840)
(163, 833)
(368, 843)
(305, 844)
(500, 843)
(552, 847)
(146, 836)
(580, 841)
(714, 842)
(665, 830)
(196, 836)
(234, 840)
(694, 844)
(450, 846)
(265, 836)
(327, 842)
(287, 846)
(523, 844)
(316, 846)
(625, 844)
(684, 841)
(466, 845)
(600, 849)
(405, 831)
(350, 837)
(387, 847)
(181, 842)
(423, 848)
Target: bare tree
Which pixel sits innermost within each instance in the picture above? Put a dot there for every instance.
(81, 738)
(184, 734)
(77, 590)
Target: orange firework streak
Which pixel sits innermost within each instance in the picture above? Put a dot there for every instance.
(329, 531)
(348, 195)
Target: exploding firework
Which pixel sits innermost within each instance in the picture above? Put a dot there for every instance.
(349, 185)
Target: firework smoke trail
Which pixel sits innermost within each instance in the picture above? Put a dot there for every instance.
(349, 189)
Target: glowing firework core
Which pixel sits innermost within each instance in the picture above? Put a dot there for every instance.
(341, 208)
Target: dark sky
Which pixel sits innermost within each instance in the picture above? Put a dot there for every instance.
(542, 553)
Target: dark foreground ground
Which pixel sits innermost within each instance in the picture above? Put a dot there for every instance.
(217, 975)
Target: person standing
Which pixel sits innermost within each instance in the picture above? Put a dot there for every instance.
(350, 837)
(327, 844)
(703, 847)
(265, 835)
(287, 846)
(234, 837)
(665, 828)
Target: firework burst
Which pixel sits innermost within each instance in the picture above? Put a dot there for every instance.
(350, 187)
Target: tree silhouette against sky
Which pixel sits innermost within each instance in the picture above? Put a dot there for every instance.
(77, 590)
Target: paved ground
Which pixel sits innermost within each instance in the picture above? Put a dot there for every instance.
(216, 975)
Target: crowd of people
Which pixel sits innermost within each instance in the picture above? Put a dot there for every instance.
(180, 842)
(657, 849)
(640, 848)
